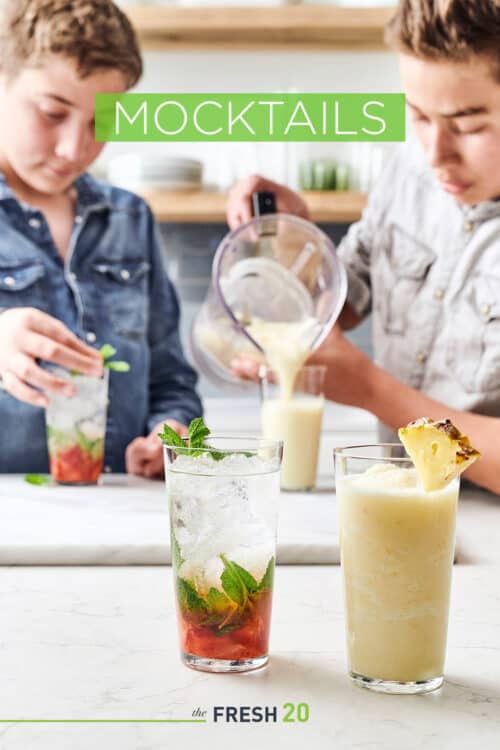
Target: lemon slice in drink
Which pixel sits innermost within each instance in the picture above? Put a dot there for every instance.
(439, 451)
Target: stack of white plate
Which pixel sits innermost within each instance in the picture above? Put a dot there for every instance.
(143, 172)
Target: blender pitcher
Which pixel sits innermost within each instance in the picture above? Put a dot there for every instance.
(276, 268)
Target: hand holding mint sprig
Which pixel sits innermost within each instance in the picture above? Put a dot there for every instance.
(106, 351)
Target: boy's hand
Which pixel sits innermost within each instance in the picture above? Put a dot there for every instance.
(28, 334)
(350, 372)
(144, 455)
(239, 204)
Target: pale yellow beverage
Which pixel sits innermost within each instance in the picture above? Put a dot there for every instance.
(294, 419)
(286, 346)
(297, 422)
(397, 547)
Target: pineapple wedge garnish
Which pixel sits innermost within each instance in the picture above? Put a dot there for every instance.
(438, 450)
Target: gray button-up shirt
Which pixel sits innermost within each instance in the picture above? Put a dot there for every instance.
(429, 271)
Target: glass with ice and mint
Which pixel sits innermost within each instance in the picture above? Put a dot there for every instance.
(76, 426)
(223, 500)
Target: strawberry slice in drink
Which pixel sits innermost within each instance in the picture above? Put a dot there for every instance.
(76, 466)
(75, 459)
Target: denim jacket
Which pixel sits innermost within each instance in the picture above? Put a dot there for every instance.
(113, 288)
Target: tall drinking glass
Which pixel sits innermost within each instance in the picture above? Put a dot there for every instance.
(76, 428)
(223, 503)
(396, 545)
(297, 422)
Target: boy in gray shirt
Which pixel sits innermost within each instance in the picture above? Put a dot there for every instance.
(425, 257)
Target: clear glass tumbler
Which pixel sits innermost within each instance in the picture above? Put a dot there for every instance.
(397, 547)
(223, 503)
(76, 428)
(297, 422)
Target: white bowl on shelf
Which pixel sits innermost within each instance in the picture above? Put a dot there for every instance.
(137, 172)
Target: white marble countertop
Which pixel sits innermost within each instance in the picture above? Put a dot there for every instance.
(125, 520)
(101, 644)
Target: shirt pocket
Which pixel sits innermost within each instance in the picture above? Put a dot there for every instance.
(23, 285)
(473, 353)
(123, 290)
(404, 264)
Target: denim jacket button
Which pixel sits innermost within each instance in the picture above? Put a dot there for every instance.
(9, 281)
(35, 223)
(90, 336)
(125, 274)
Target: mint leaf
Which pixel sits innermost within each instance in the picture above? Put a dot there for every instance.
(218, 455)
(58, 438)
(249, 581)
(170, 437)
(96, 448)
(266, 583)
(176, 552)
(189, 597)
(117, 366)
(107, 351)
(232, 583)
(83, 440)
(38, 479)
(197, 432)
(216, 599)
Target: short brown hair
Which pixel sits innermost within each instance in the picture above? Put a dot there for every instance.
(96, 34)
(447, 29)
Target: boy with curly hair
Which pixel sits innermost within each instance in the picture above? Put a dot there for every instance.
(80, 261)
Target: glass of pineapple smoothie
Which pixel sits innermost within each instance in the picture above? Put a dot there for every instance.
(296, 421)
(397, 548)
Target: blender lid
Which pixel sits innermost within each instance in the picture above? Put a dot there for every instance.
(266, 289)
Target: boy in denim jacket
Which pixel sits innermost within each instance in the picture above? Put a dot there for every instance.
(80, 261)
(425, 258)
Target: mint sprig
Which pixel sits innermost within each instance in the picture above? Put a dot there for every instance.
(107, 351)
(195, 445)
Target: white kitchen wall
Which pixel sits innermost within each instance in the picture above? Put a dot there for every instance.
(299, 71)
(210, 72)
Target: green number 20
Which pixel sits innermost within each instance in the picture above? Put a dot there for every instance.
(301, 711)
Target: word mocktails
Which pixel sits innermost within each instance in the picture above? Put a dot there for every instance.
(250, 117)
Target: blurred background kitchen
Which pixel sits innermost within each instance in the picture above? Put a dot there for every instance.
(251, 46)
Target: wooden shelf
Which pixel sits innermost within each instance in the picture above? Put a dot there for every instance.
(210, 207)
(303, 27)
